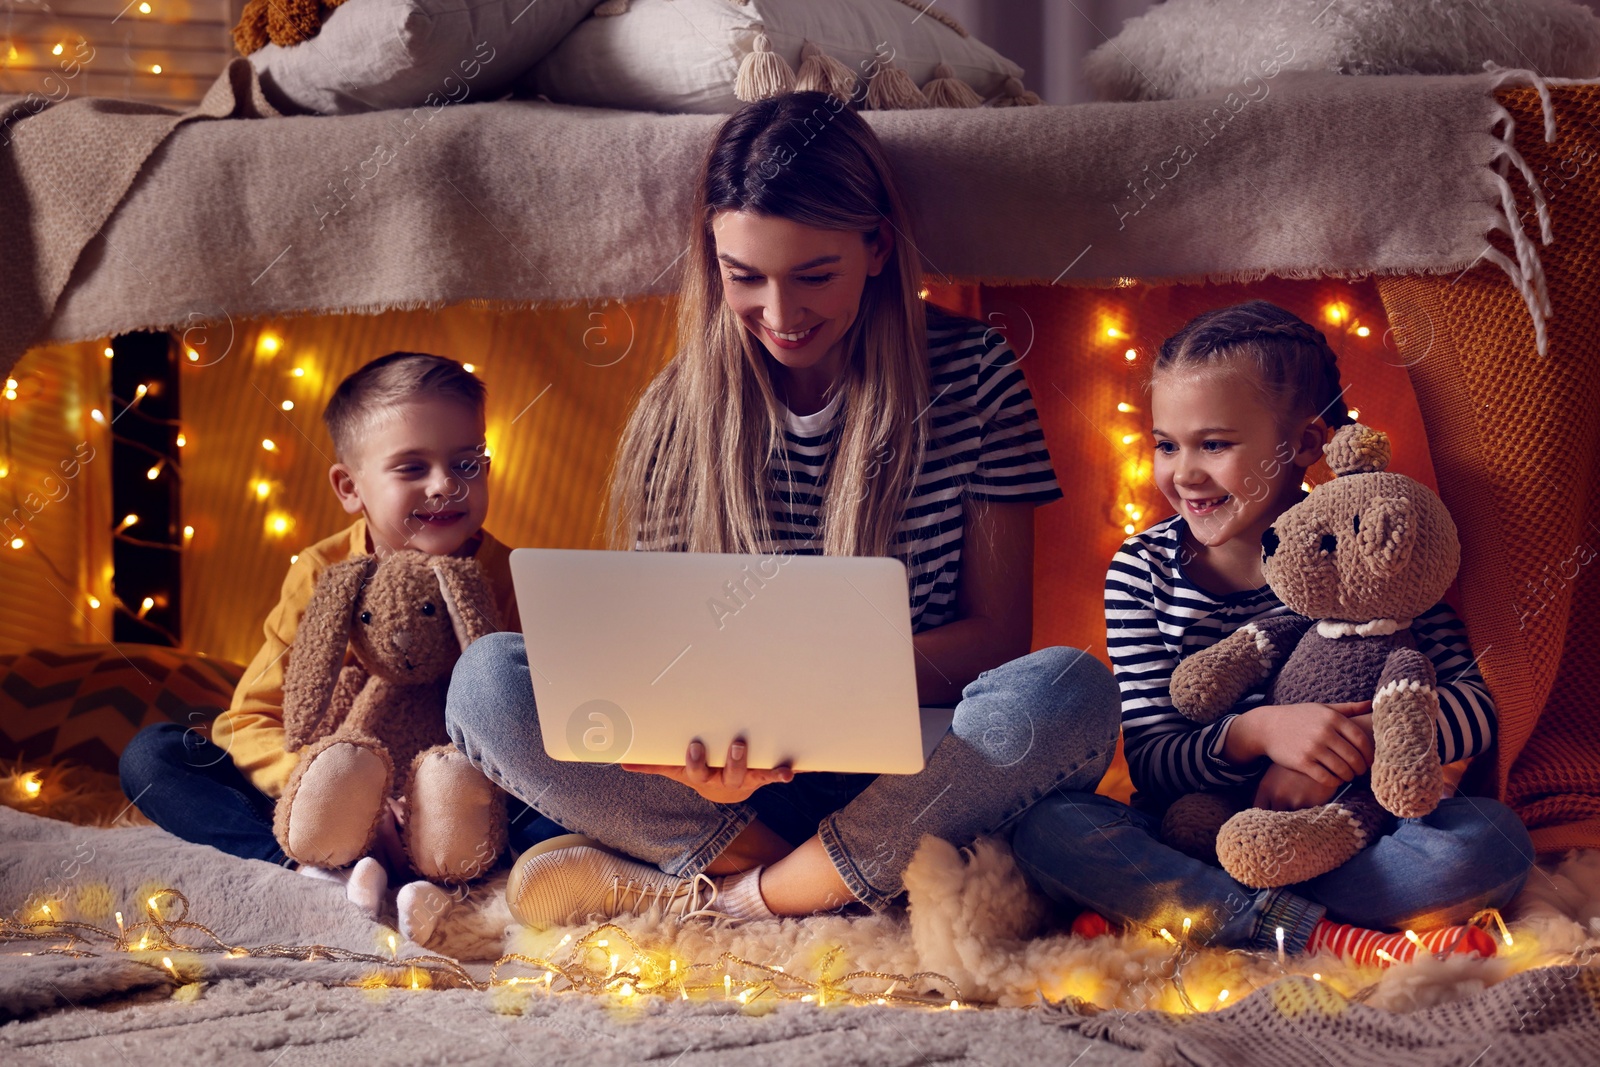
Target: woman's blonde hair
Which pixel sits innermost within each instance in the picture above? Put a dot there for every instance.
(692, 471)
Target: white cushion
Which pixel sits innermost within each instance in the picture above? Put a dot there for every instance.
(372, 54)
(1186, 48)
(683, 55)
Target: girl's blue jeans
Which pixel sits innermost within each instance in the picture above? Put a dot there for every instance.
(1094, 852)
(1042, 723)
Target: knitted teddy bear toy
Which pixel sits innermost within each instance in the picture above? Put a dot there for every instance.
(374, 729)
(1358, 559)
(283, 22)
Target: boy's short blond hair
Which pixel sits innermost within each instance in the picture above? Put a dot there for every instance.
(386, 383)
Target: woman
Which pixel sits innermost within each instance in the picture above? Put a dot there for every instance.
(815, 405)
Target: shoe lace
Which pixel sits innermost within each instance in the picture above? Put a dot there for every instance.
(691, 898)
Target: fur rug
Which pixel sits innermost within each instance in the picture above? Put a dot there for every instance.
(973, 919)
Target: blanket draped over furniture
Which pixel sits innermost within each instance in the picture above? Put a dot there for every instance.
(1423, 182)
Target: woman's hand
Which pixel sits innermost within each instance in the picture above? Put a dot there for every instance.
(1319, 740)
(728, 784)
(1282, 789)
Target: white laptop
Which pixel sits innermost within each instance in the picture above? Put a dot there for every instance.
(634, 654)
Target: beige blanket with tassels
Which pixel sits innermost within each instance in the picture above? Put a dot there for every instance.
(162, 223)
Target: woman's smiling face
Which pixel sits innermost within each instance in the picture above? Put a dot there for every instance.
(797, 288)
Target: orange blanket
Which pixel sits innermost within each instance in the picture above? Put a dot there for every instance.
(1514, 440)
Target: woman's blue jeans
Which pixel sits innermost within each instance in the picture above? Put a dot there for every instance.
(1095, 852)
(1045, 722)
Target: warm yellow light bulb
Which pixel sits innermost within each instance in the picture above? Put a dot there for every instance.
(270, 344)
(299, 372)
(1355, 413)
(110, 351)
(1112, 331)
(1362, 331)
(188, 533)
(1129, 438)
(31, 785)
(1124, 407)
(922, 293)
(280, 524)
(127, 521)
(97, 415)
(144, 9)
(287, 405)
(1316, 976)
(94, 602)
(11, 383)
(155, 68)
(58, 49)
(269, 444)
(153, 473)
(295, 558)
(1129, 529)
(1131, 354)
(182, 440)
(263, 488)
(1305, 487)
(140, 392)
(194, 357)
(145, 605)
(17, 542)
(470, 368)
(1333, 312)
(1222, 996)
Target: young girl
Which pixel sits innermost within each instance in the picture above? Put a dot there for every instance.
(1232, 394)
(815, 405)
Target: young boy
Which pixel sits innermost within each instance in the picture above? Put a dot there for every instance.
(408, 437)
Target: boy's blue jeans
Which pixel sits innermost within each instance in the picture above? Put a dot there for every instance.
(1025, 729)
(190, 788)
(1095, 852)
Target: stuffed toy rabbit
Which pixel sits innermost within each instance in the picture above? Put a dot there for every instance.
(1357, 560)
(373, 730)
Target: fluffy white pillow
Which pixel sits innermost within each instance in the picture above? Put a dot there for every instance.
(1187, 48)
(684, 55)
(372, 54)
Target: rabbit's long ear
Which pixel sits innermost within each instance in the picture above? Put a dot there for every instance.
(467, 598)
(319, 648)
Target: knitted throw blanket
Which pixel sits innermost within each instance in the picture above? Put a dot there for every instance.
(1515, 441)
(516, 203)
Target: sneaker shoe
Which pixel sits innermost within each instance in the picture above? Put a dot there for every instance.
(571, 879)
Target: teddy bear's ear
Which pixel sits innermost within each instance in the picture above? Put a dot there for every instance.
(320, 642)
(1386, 535)
(467, 598)
(1357, 449)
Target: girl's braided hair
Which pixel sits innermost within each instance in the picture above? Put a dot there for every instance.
(1294, 364)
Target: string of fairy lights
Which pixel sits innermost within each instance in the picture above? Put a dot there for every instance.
(605, 961)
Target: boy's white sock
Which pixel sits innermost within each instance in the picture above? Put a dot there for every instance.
(420, 906)
(740, 896)
(367, 884)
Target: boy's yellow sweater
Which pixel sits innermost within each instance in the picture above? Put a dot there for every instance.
(251, 731)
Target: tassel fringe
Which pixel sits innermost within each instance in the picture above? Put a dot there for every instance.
(892, 89)
(1014, 95)
(820, 72)
(947, 90)
(763, 72)
(1527, 270)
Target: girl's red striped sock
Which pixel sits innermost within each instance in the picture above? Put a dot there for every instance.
(1357, 945)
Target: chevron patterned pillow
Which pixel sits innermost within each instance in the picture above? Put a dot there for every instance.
(82, 703)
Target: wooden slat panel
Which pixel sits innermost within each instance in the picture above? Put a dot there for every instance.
(63, 523)
(106, 36)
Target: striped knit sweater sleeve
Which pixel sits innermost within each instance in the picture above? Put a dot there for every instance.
(1168, 755)
(1467, 719)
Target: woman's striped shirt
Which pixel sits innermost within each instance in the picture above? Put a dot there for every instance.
(985, 444)
(1155, 617)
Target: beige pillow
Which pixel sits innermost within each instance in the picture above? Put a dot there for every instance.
(690, 55)
(1187, 48)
